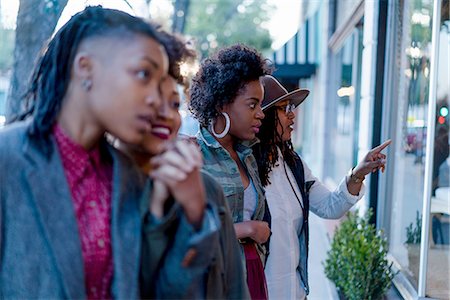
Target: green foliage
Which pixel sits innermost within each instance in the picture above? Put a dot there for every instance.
(413, 232)
(357, 262)
(6, 49)
(421, 33)
(219, 23)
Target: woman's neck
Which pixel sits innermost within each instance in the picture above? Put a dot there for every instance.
(227, 142)
(76, 122)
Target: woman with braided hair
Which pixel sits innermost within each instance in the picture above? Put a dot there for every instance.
(71, 218)
(292, 191)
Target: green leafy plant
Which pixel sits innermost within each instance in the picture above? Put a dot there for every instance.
(357, 262)
(413, 232)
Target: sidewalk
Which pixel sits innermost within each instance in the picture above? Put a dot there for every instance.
(320, 287)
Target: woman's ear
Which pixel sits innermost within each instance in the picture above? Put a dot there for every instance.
(225, 108)
(82, 66)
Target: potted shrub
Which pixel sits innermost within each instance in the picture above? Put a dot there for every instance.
(357, 262)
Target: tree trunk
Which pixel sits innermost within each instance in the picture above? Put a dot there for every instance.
(180, 12)
(36, 22)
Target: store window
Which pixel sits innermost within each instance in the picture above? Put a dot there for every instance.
(437, 285)
(415, 35)
(413, 88)
(347, 96)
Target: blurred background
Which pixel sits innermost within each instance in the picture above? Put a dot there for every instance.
(376, 69)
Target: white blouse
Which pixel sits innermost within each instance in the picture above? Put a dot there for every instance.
(283, 279)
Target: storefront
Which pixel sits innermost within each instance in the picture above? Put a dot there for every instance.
(382, 71)
(416, 209)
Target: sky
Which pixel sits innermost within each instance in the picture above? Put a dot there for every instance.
(282, 25)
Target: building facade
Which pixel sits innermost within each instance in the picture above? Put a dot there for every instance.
(380, 70)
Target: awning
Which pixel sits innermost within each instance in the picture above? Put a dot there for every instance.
(298, 57)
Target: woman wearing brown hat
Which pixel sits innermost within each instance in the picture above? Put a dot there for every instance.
(292, 190)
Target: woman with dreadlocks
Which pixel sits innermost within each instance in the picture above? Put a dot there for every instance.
(292, 190)
(70, 204)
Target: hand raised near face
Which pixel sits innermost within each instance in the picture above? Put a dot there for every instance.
(373, 161)
(160, 193)
(178, 168)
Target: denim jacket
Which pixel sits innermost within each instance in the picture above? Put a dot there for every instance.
(218, 163)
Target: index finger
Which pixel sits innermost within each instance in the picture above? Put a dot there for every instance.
(379, 148)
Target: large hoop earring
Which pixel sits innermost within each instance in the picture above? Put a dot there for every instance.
(225, 131)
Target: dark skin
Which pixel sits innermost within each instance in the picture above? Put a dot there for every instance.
(173, 164)
(246, 116)
(108, 105)
(373, 161)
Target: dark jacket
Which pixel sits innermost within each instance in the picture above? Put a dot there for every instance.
(303, 238)
(224, 277)
(40, 248)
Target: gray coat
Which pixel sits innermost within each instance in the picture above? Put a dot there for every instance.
(40, 248)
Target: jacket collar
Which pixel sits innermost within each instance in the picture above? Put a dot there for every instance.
(242, 147)
(52, 199)
(53, 202)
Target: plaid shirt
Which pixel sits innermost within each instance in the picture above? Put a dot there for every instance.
(218, 163)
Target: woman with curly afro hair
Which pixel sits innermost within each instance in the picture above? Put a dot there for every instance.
(226, 96)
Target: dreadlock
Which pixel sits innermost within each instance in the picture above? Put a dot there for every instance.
(266, 152)
(52, 73)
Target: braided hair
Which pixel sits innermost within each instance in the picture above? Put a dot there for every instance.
(52, 74)
(221, 78)
(266, 152)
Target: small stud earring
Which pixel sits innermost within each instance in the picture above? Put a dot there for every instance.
(86, 84)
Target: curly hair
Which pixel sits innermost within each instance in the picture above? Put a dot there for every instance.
(265, 152)
(221, 77)
(179, 50)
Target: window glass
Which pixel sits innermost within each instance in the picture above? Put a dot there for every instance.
(346, 103)
(439, 251)
(414, 44)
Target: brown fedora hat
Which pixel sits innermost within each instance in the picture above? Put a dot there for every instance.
(274, 92)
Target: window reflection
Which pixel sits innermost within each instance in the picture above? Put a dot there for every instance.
(414, 46)
(347, 96)
(413, 88)
(439, 250)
